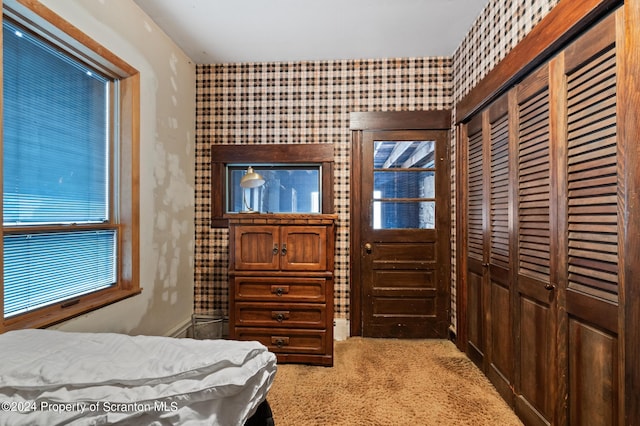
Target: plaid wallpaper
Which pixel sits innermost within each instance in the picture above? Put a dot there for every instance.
(309, 102)
(297, 103)
(501, 25)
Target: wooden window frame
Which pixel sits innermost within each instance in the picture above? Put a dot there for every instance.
(126, 213)
(221, 155)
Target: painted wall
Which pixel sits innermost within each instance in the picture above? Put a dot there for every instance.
(167, 150)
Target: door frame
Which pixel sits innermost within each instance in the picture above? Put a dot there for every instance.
(366, 121)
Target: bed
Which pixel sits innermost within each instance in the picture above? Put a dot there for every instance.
(50, 377)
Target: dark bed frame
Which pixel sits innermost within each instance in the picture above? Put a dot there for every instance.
(262, 417)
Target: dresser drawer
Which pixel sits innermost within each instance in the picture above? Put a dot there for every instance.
(281, 289)
(303, 315)
(284, 340)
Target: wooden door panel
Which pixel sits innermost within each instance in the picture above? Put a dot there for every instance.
(303, 248)
(501, 359)
(405, 254)
(419, 281)
(475, 316)
(534, 351)
(256, 247)
(593, 375)
(409, 309)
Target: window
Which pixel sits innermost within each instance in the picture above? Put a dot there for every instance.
(229, 163)
(287, 188)
(69, 198)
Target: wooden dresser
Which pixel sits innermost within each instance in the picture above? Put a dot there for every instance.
(281, 284)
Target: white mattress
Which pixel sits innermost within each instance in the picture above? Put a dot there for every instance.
(51, 377)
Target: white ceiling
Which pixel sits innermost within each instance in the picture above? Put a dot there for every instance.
(224, 31)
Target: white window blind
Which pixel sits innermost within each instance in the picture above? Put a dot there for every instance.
(56, 173)
(41, 269)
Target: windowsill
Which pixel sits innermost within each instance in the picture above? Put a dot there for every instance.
(55, 314)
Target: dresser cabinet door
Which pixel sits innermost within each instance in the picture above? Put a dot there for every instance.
(256, 247)
(303, 248)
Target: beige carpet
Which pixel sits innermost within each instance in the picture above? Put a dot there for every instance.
(388, 382)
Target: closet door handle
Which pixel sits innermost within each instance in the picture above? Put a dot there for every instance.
(275, 249)
(284, 249)
(549, 286)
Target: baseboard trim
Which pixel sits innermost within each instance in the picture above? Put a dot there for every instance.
(340, 329)
(180, 330)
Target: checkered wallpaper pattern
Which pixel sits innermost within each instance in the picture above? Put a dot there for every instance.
(297, 103)
(309, 102)
(502, 24)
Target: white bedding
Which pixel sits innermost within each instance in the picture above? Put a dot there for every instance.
(51, 377)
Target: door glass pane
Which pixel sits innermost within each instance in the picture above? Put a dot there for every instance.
(403, 154)
(389, 184)
(404, 182)
(404, 215)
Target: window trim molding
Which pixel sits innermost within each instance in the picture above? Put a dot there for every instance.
(128, 140)
(221, 155)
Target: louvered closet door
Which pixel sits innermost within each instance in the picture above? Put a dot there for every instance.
(476, 291)
(593, 172)
(536, 296)
(500, 353)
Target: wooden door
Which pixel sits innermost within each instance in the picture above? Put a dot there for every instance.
(489, 223)
(477, 291)
(575, 218)
(593, 216)
(500, 350)
(404, 233)
(537, 253)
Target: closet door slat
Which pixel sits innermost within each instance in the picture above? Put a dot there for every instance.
(475, 201)
(592, 178)
(533, 187)
(500, 192)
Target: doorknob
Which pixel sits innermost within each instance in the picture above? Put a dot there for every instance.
(368, 248)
